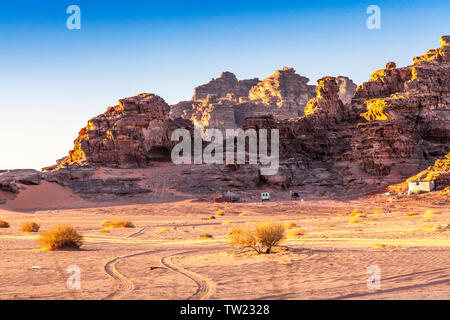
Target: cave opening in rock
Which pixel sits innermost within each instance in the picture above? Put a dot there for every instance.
(160, 154)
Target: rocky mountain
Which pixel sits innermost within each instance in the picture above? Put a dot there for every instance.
(334, 139)
(129, 135)
(407, 114)
(225, 102)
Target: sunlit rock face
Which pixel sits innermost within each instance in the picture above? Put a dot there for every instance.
(285, 90)
(131, 134)
(347, 89)
(396, 125)
(408, 116)
(225, 102)
(227, 83)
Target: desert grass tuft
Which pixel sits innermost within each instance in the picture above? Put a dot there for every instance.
(429, 214)
(4, 224)
(117, 224)
(30, 226)
(412, 214)
(295, 232)
(60, 237)
(220, 213)
(289, 225)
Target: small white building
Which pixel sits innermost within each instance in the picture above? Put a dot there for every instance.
(421, 186)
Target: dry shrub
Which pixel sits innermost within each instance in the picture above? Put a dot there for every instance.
(354, 219)
(117, 224)
(289, 225)
(356, 216)
(437, 228)
(412, 214)
(220, 213)
(60, 237)
(295, 232)
(358, 213)
(30, 226)
(4, 224)
(261, 238)
(429, 215)
(206, 236)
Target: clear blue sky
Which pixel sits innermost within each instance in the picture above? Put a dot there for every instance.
(54, 79)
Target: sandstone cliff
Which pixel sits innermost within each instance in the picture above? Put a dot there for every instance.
(336, 141)
(130, 134)
(408, 116)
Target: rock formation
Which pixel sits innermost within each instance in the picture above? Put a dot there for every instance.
(225, 102)
(347, 89)
(333, 142)
(221, 87)
(130, 134)
(286, 90)
(408, 116)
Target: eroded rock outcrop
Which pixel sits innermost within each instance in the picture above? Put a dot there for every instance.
(131, 134)
(286, 90)
(227, 83)
(408, 116)
(225, 102)
(347, 89)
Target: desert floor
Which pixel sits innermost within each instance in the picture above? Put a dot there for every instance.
(164, 257)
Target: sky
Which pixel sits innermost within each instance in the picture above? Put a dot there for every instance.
(53, 79)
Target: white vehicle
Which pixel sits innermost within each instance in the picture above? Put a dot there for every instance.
(265, 196)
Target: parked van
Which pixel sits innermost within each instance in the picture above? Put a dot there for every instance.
(265, 196)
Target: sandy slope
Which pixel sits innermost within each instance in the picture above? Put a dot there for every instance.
(164, 257)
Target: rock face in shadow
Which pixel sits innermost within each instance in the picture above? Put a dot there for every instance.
(439, 172)
(84, 182)
(11, 179)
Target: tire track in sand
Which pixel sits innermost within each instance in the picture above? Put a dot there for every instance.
(124, 285)
(205, 287)
(137, 233)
